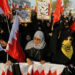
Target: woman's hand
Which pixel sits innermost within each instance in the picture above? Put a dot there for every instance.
(3, 43)
(42, 62)
(29, 61)
(8, 63)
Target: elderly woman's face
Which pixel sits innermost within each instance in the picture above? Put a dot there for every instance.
(36, 40)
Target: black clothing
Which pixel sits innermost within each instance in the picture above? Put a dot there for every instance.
(24, 31)
(55, 48)
(3, 57)
(69, 70)
(36, 55)
(4, 36)
(16, 69)
(47, 31)
(73, 57)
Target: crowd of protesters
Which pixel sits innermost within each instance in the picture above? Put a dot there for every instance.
(42, 40)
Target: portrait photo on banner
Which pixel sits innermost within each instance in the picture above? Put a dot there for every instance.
(43, 9)
(19, 3)
(23, 14)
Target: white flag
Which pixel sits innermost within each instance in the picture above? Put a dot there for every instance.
(1, 48)
(1, 11)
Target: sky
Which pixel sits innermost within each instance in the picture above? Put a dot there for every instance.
(73, 3)
(33, 3)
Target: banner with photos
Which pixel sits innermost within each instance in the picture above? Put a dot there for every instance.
(19, 3)
(24, 15)
(43, 9)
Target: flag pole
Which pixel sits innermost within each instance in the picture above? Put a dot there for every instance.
(52, 28)
(8, 31)
(7, 24)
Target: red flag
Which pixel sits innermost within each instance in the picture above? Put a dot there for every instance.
(14, 48)
(5, 7)
(57, 12)
(62, 7)
(73, 27)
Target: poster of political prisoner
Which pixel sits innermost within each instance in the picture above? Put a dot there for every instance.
(24, 15)
(19, 3)
(43, 9)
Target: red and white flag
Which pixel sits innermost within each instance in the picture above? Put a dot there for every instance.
(35, 69)
(1, 11)
(12, 5)
(5, 7)
(5, 70)
(17, 6)
(34, 9)
(62, 7)
(14, 48)
(25, 6)
(1, 48)
(26, 69)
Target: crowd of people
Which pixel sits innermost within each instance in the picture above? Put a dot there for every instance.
(42, 40)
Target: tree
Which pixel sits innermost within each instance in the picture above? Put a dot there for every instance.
(53, 5)
(67, 3)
